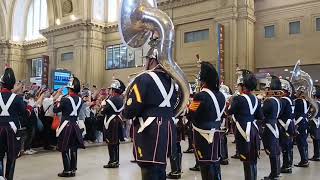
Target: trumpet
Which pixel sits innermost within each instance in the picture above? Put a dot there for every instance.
(267, 94)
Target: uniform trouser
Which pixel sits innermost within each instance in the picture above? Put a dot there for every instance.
(153, 172)
(224, 147)
(275, 166)
(69, 159)
(210, 171)
(113, 153)
(30, 132)
(316, 148)
(190, 138)
(175, 160)
(250, 170)
(302, 147)
(10, 166)
(287, 155)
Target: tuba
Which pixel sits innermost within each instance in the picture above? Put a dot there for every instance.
(140, 20)
(302, 82)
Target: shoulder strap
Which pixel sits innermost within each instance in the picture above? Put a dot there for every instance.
(216, 104)
(291, 103)
(74, 106)
(279, 107)
(166, 96)
(115, 109)
(5, 107)
(305, 106)
(251, 107)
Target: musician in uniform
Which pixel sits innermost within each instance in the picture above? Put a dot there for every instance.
(176, 158)
(12, 107)
(112, 122)
(301, 125)
(314, 125)
(151, 100)
(225, 128)
(71, 130)
(270, 136)
(286, 126)
(246, 109)
(205, 112)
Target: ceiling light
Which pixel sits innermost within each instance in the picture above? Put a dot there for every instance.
(73, 17)
(286, 70)
(58, 22)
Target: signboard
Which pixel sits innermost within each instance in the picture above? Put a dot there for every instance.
(60, 80)
(36, 80)
(45, 70)
(221, 38)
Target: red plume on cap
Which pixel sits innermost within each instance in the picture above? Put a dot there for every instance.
(7, 66)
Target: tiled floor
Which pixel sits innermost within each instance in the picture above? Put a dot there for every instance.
(45, 166)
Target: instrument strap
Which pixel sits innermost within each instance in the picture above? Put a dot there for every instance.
(5, 107)
(166, 96)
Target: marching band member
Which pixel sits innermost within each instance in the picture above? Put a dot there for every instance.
(205, 113)
(12, 107)
(315, 129)
(151, 99)
(270, 136)
(224, 127)
(286, 126)
(70, 131)
(301, 125)
(176, 158)
(246, 109)
(112, 122)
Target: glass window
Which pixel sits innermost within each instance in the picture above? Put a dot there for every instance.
(294, 27)
(269, 31)
(119, 56)
(99, 10)
(36, 67)
(113, 7)
(318, 24)
(195, 36)
(37, 19)
(67, 56)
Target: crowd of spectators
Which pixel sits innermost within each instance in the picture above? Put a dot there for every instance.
(36, 130)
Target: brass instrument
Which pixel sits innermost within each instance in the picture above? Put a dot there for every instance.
(303, 84)
(140, 20)
(267, 94)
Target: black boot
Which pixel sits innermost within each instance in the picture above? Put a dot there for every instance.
(175, 167)
(10, 166)
(224, 151)
(316, 149)
(274, 175)
(1, 167)
(286, 167)
(66, 166)
(304, 157)
(113, 157)
(195, 168)
(190, 147)
(74, 158)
